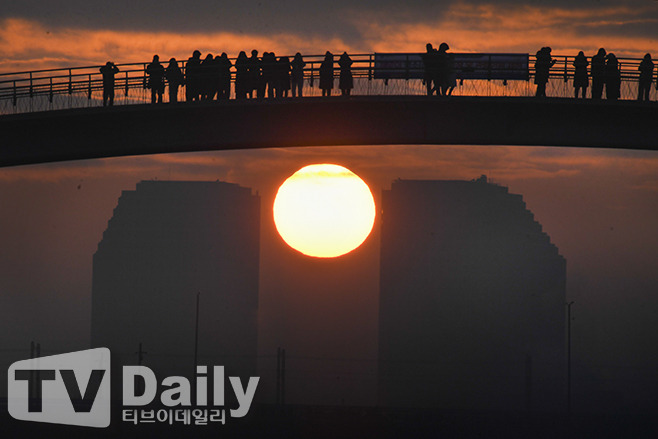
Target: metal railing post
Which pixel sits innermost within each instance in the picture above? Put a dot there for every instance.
(312, 78)
(489, 69)
(566, 74)
(406, 68)
(370, 67)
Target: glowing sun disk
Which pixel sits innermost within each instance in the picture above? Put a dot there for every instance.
(324, 211)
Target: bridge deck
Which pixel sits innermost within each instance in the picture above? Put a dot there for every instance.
(165, 128)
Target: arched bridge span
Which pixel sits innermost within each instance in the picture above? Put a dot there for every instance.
(368, 120)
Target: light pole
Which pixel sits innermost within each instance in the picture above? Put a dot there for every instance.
(196, 331)
(569, 357)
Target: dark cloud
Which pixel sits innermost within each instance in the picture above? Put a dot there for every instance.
(249, 16)
(647, 28)
(75, 32)
(337, 18)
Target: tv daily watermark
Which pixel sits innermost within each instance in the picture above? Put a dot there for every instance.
(74, 389)
(71, 389)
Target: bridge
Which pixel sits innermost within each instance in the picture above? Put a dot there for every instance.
(57, 115)
(367, 120)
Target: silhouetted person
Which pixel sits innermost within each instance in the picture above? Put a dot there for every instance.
(224, 66)
(297, 75)
(345, 80)
(646, 76)
(580, 77)
(260, 82)
(327, 74)
(174, 78)
(192, 73)
(429, 63)
(543, 64)
(256, 84)
(208, 78)
(283, 74)
(108, 71)
(446, 75)
(598, 73)
(612, 78)
(156, 73)
(242, 83)
(256, 77)
(269, 73)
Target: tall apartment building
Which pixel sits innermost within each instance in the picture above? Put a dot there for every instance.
(166, 242)
(472, 300)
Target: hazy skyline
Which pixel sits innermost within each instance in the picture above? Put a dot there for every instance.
(598, 206)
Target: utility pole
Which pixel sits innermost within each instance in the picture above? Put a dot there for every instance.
(196, 333)
(37, 354)
(34, 383)
(140, 358)
(569, 357)
(32, 388)
(140, 354)
(196, 344)
(283, 377)
(280, 376)
(528, 382)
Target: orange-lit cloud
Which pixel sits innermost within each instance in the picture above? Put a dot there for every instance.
(468, 27)
(26, 45)
(508, 28)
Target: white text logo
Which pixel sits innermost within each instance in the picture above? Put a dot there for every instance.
(72, 389)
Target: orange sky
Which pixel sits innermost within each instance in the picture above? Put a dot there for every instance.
(599, 206)
(29, 45)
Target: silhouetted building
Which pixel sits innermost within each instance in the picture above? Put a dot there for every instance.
(472, 300)
(166, 242)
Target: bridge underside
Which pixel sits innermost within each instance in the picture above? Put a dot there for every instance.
(151, 129)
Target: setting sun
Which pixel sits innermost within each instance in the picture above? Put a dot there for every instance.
(324, 211)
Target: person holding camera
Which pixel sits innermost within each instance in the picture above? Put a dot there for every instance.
(108, 71)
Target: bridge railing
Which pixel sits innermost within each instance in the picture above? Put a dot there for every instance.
(79, 87)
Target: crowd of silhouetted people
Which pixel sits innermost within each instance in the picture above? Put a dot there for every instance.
(604, 70)
(255, 77)
(269, 76)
